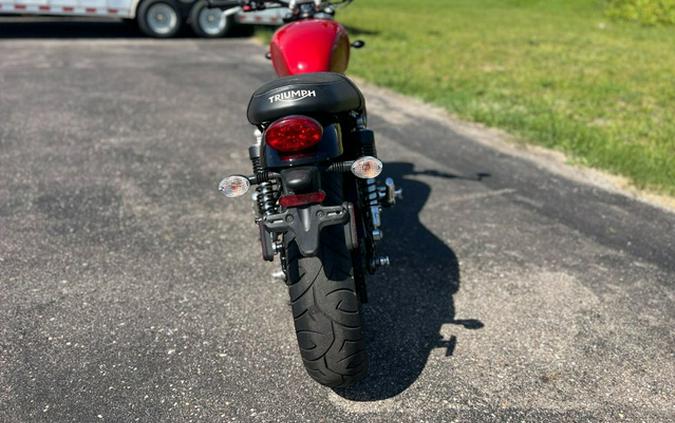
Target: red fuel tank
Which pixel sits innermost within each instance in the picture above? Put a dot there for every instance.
(310, 46)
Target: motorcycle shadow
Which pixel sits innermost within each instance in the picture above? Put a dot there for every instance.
(409, 302)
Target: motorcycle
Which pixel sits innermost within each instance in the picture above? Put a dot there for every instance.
(317, 202)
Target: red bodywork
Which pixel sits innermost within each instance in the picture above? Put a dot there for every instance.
(310, 46)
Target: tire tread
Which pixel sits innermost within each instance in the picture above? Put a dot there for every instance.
(326, 308)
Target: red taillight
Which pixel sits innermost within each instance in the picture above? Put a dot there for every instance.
(293, 133)
(298, 200)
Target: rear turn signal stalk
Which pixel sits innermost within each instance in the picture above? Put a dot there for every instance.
(366, 167)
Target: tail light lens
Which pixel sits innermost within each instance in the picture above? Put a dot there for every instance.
(302, 199)
(293, 133)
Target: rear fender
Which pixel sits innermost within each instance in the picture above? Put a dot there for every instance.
(306, 223)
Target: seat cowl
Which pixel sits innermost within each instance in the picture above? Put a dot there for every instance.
(312, 93)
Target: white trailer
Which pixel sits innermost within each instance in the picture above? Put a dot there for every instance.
(157, 18)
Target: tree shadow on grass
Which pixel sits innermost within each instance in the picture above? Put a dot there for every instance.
(410, 301)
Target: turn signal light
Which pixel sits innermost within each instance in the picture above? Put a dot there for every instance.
(302, 199)
(367, 167)
(234, 186)
(293, 133)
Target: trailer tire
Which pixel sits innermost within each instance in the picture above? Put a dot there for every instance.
(159, 18)
(208, 23)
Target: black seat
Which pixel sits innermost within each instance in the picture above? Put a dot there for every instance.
(312, 93)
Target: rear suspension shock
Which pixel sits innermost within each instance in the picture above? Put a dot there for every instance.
(265, 200)
(267, 193)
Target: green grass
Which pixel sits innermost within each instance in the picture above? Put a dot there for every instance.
(557, 73)
(648, 12)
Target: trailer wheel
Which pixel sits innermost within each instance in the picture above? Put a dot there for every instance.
(209, 23)
(159, 18)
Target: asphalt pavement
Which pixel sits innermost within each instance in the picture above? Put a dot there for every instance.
(130, 290)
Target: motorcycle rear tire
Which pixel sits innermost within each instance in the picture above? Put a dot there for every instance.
(326, 308)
